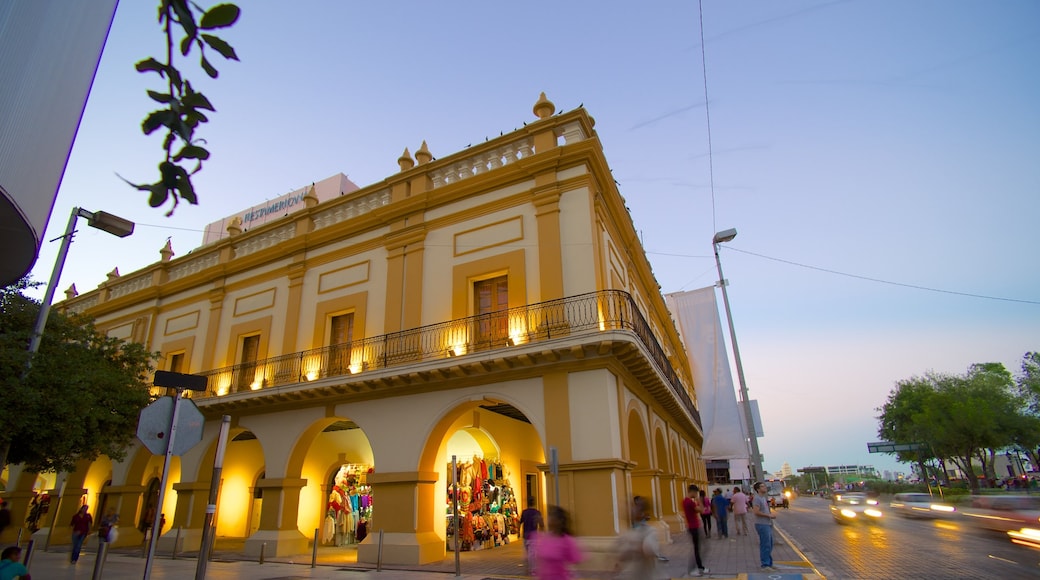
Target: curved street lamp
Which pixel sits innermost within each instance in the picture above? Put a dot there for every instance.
(756, 456)
(114, 225)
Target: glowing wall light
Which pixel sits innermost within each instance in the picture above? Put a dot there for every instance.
(223, 384)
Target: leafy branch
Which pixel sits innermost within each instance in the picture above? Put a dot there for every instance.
(184, 106)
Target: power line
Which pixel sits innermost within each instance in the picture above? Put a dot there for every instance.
(880, 281)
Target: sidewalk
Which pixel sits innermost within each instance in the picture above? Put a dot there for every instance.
(734, 557)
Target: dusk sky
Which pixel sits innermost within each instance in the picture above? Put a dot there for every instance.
(880, 160)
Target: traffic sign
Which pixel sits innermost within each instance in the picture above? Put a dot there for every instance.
(889, 447)
(153, 427)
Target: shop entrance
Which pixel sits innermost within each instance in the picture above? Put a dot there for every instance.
(349, 506)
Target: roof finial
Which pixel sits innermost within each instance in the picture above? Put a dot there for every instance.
(544, 108)
(405, 161)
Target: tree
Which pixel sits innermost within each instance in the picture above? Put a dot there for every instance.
(184, 106)
(1027, 384)
(963, 418)
(901, 418)
(80, 398)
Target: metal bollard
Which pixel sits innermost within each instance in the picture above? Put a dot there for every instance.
(27, 559)
(314, 553)
(99, 562)
(176, 542)
(263, 551)
(379, 553)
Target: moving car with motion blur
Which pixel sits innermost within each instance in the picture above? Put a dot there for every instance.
(920, 505)
(855, 507)
(1003, 513)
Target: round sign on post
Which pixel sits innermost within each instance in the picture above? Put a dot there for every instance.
(153, 427)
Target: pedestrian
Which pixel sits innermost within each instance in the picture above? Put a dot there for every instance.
(720, 509)
(637, 548)
(705, 513)
(692, 510)
(530, 523)
(555, 549)
(5, 517)
(764, 526)
(10, 567)
(81, 524)
(738, 503)
(109, 523)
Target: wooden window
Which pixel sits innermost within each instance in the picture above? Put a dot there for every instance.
(341, 332)
(177, 362)
(490, 300)
(250, 352)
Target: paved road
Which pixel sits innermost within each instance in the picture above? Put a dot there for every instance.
(903, 548)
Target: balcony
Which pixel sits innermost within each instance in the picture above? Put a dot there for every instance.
(478, 339)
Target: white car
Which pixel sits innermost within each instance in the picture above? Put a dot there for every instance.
(921, 505)
(1004, 513)
(855, 507)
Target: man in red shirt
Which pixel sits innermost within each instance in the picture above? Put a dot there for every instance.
(692, 508)
(81, 524)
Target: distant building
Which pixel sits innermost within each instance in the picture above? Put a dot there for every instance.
(785, 470)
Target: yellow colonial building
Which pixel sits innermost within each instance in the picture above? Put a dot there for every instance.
(494, 306)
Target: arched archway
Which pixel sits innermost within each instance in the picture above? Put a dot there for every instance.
(639, 454)
(498, 453)
(332, 459)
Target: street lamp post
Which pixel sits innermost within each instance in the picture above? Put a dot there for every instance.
(756, 456)
(114, 225)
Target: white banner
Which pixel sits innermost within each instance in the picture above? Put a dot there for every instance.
(696, 315)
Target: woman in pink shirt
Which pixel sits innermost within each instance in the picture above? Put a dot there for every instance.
(555, 550)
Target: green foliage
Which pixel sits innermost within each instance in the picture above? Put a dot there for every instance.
(963, 418)
(81, 397)
(184, 107)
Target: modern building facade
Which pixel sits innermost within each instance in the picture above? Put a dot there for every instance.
(493, 307)
(49, 52)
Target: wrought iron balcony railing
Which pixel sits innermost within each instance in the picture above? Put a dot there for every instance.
(585, 314)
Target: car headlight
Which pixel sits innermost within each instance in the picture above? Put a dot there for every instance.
(872, 512)
(848, 513)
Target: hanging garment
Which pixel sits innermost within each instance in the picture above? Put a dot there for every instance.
(329, 531)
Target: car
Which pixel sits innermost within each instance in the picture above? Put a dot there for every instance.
(1003, 513)
(855, 507)
(920, 505)
(1028, 537)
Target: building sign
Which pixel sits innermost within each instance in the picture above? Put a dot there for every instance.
(280, 207)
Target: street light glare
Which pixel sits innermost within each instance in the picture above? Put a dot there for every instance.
(724, 236)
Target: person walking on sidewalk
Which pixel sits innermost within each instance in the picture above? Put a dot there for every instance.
(638, 548)
(530, 524)
(705, 512)
(692, 510)
(555, 550)
(81, 524)
(738, 503)
(764, 526)
(720, 509)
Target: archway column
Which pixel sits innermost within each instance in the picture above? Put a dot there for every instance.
(18, 502)
(278, 517)
(406, 521)
(671, 503)
(189, 517)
